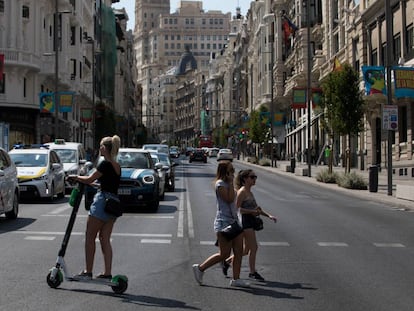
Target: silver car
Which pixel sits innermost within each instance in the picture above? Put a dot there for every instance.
(161, 170)
(9, 186)
(40, 172)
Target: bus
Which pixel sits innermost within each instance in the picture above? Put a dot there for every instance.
(205, 141)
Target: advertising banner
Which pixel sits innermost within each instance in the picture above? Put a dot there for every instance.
(404, 82)
(47, 104)
(374, 78)
(65, 101)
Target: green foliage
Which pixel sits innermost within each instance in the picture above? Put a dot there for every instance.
(352, 180)
(257, 126)
(264, 162)
(342, 102)
(327, 177)
(252, 160)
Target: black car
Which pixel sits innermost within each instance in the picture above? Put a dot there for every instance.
(170, 172)
(198, 155)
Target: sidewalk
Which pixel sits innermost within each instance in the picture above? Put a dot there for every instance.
(380, 196)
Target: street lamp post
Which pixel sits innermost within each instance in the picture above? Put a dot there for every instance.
(56, 44)
(388, 20)
(308, 87)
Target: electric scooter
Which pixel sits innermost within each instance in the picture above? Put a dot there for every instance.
(60, 272)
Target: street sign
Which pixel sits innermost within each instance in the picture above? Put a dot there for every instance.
(390, 117)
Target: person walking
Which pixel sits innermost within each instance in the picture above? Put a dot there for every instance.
(246, 203)
(108, 173)
(226, 214)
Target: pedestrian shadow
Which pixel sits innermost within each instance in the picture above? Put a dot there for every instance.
(254, 290)
(286, 285)
(140, 300)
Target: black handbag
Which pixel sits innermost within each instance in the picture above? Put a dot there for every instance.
(258, 223)
(113, 207)
(232, 231)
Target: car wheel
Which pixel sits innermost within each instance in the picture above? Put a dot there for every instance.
(61, 195)
(52, 191)
(15, 211)
(154, 205)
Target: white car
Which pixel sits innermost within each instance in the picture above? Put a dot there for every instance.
(9, 186)
(161, 170)
(39, 171)
(212, 152)
(225, 154)
(72, 155)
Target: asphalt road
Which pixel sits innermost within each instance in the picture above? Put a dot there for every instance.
(328, 251)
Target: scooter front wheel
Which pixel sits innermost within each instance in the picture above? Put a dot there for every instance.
(122, 282)
(56, 281)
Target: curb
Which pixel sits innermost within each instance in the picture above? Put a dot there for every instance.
(380, 196)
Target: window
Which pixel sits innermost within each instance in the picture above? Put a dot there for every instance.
(374, 57)
(25, 11)
(3, 84)
(24, 87)
(396, 46)
(409, 44)
(72, 35)
(403, 126)
(1, 6)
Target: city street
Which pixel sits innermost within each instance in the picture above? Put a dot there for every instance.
(328, 251)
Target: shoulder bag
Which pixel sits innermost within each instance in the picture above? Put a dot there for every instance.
(257, 223)
(113, 207)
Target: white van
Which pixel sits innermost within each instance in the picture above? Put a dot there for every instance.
(72, 155)
(158, 147)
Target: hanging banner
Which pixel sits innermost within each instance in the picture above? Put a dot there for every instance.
(1, 66)
(86, 115)
(47, 104)
(404, 82)
(299, 97)
(65, 101)
(374, 78)
(279, 119)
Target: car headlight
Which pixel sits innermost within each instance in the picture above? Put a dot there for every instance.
(72, 172)
(42, 177)
(148, 179)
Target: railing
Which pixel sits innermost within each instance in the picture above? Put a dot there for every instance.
(16, 57)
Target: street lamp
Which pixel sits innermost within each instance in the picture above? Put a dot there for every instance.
(90, 40)
(56, 43)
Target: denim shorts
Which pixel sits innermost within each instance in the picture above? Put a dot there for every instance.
(97, 209)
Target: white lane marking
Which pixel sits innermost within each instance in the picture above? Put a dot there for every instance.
(261, 243)
(389, 245)
(180, 227)
(155, 241)
(125, 215)
(189, 213)
(274, 244)
(335, 244)
(61, 209)
(207, 242)
(142, 235)
(39, 238)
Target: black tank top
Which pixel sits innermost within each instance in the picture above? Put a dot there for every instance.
(110, 179)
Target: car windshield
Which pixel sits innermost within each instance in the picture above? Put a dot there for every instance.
(66, 155)
(134, 160)
(164, 159)
(29, 159)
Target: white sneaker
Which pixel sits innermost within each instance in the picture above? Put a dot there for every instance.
(198, 274)
(239, 283)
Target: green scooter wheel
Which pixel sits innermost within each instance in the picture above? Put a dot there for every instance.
(122, 282)
(56, 281)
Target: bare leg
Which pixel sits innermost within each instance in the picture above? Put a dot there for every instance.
(237, 245)
(224, 252)
(251, 248)
(93, 226)
(105, 239)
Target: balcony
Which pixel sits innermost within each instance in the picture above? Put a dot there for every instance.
(21, 59)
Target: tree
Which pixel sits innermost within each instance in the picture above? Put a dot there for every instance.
(259, 125)
(343, 106)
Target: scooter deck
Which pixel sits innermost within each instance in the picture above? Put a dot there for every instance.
(93, 281)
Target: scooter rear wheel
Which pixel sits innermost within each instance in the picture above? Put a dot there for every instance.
(56, 281)
(122, 284)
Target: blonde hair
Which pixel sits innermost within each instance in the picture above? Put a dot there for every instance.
(112, 143)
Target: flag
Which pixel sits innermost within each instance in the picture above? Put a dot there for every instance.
(1, 66)
(337, 66)
(289, 28)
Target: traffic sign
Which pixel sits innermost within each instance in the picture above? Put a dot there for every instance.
(390, 117)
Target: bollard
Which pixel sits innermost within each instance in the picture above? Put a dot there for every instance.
(292, 164)
(373, 178)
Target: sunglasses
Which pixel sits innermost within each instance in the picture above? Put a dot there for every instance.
(253, 176)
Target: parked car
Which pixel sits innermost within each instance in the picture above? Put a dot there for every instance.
(72, 155)
(161, 173)
(9, 186)
(170, 172)
(212, 152)
(225, 154)
(188, 151)
(198, 155)
(139, 186)
(39, 171)
(174, 152)
(156, 147)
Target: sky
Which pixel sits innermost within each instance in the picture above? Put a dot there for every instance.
(222, 5)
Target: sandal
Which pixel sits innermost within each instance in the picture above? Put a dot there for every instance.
(104, 276)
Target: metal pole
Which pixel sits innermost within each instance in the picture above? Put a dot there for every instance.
(93, 95)
(56, 43)
(271, 40)
(388, 20)
(308, 87)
